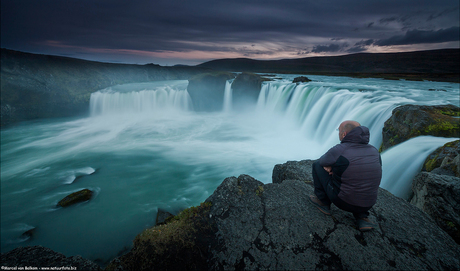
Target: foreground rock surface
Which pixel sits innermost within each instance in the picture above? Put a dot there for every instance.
(38, 256)
(410, 121)
(252, 226)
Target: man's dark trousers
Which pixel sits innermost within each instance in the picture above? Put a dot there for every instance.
(328, 192)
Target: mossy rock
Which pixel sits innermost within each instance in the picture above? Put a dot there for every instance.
(80, 196)
(410, 121)
(183, 239)
(435, 159)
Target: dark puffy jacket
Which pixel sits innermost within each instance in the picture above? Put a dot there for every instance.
(356, 167)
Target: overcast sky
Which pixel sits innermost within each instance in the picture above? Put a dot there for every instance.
(191, 32)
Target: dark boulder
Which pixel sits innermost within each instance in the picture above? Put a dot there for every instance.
(207, 90)
(182, 243)
(410, 121)
(439, 196)
(301, 79)
(38, 256)
(293, 170)
(246, 89)
(79, 196)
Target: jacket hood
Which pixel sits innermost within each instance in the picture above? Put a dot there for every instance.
(358, 135)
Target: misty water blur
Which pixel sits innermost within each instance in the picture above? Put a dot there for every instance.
(144, 147)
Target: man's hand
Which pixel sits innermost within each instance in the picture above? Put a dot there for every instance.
(328, 169)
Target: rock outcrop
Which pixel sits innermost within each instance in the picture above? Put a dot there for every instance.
(207, 90)
(436, 190)
(42, 86)
(444, 160)
(410, 121)
(246, 89)
(250, 225)
(439, 196)
(38, 256)
(76, 197)
(301, 79)
(293, 170)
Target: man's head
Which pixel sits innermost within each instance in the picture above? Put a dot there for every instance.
(346, 126)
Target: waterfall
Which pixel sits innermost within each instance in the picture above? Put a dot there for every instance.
(402, 162)
(227, 106)
(319, 110)
(160, 99)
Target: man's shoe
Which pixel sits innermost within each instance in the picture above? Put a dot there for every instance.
(325, 209)
(364, 224)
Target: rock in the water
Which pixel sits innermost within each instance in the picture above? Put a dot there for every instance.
(439, 196)
(38, 256)
(301, 79)
(293, 170)
(162, 216)
(410, 121)
(207, 90)
(29, 233)
(80, 196)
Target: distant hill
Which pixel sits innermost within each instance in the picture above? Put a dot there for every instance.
(436, 63)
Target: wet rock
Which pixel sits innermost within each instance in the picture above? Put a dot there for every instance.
(301, 79)
(80, 196)
(38, 256)
(439, 196)
(207, 90)
(29, 233)
(410, 121)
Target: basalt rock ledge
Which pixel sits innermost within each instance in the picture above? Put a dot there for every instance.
(273, 226)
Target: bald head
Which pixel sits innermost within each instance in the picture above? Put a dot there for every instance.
(346, 126)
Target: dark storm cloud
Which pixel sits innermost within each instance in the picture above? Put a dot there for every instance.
(328, 48)
(273, 27)
(421, 36)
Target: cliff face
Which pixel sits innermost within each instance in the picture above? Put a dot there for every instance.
(39, 86)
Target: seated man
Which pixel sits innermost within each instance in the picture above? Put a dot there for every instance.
(349, 175)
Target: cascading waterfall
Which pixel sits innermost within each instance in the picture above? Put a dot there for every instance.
(404, 161)
(152, 100)
(227, 106)
(319, 110)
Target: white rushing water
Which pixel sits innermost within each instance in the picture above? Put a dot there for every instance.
(144, 147)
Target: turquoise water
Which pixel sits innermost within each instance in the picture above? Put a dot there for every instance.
(143, 147)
